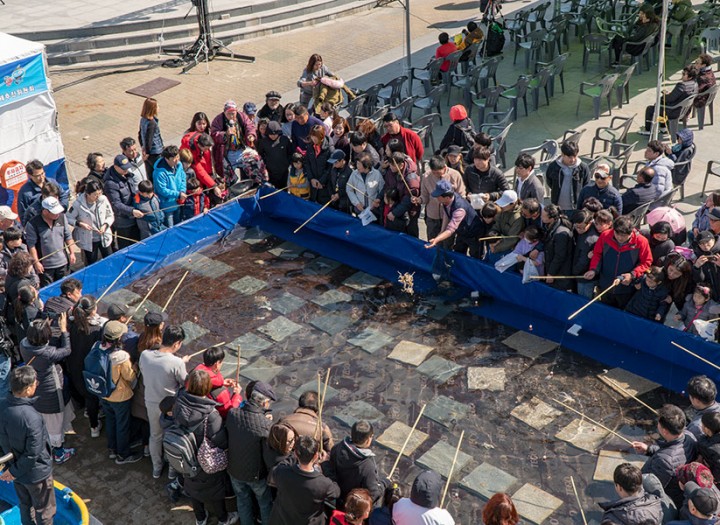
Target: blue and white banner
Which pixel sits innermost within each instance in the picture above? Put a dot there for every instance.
(22, 79)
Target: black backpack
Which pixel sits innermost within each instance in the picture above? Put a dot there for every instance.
(495, 40)
(7, 345)
(181, 447)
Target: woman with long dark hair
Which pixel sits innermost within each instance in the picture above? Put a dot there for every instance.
(678, 278)
(310, 76)
(317, 169)
(85, 330)
(150, 138)
(28, 307)
(200, 123)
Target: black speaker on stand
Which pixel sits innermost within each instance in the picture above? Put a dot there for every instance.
(205, 48)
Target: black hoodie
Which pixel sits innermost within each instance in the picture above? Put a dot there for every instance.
(708, 273)
(190, 411)
(353, 467)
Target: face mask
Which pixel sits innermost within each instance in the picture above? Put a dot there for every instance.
(676, 148)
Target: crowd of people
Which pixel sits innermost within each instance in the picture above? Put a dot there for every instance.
(217, 439)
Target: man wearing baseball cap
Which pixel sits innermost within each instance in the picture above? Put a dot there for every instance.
(714, 218)
(49, 238)
(462, 220)
(339, 177)
(8, 218)
(31, 191)
(602, 190)
(247, 427)
(271, 110)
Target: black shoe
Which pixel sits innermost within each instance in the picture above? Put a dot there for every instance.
(132, 458)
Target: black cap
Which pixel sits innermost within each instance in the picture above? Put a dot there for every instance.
(705, 501)
(155, 318)
(273, 94)
(390, 117)
(714, 214)
(426, 489)
(704, 236)
(453, 150)
(116, 311)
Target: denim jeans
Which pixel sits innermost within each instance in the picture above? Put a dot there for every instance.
(586, 288)
(5, 366)
(244, 491)
(117, 426)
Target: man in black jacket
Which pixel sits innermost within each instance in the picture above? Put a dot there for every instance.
(247, 426)
(339, 177)
(635, 505)
(686, 88)
(567, 176)
(352, 463)
(276, 151)
(642, 193)
(118, 190)
(484, 179)
(301, 490)
(23, 432)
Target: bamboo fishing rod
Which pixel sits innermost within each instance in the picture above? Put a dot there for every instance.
(498, 237)
(400, 174)
(206, 348)
(577, 498)
(65, 246)
(137, 308)
(115, 281)
(593, 421)
(237, 368)
(361, 192)
(452, 468)
(407, 439)
(273, 193)
(320, 408)
(695, 355)
(328, 203)
(167, 303)
(606, 290)
(614, 384)
(544, 277)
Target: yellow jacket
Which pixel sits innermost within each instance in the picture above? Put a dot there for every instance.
(123, 375)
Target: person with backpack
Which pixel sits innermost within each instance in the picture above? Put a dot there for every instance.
(195, 416)
(163, 373)
(248, 426)
(53, 401)
(460, 132)
(108, 366)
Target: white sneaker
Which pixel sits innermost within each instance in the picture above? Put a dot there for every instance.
(232, 518)
(95, 431)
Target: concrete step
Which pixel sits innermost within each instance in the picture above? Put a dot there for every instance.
(268, 18)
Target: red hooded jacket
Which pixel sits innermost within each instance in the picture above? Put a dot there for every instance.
(220, 392)
(202, 162)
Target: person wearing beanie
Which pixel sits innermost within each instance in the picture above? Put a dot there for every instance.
(423, 504)
(460, 132)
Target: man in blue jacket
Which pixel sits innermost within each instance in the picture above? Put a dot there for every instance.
(23, 432)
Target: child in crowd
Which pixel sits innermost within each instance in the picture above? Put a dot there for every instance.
(262, 127)
(650, 300)
(393, 218)
(147, 202)
(196, 202)
(697, 306)
(297, 182)
(529, 241)
(186, 157)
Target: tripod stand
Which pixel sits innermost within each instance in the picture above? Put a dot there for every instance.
(205, 47)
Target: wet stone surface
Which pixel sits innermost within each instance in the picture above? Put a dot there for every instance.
(384, 366)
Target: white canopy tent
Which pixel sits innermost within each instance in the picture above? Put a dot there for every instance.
(28, 117)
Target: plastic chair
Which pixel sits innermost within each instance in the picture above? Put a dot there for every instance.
(597, 92)
(427, 121)
(685, 108)
(538, 82)
(471, 53)
(537, 15)
(500, 143)
(467, 83)
(617, 131)
(594, 44)
(683, 169)
(544, 154)
(573, 135)
(355, 109)
(531, 44)
(710, 39)
(487, 99)
(403, 110)
(426, 74)
(710, 93)
(558, 64)
(554, 38)
(713, 168)
(516, 26)
(391, 92)
(501, 118)
(664, 200)
(432, 101)
(453, 60)
(371, 99)
(622, 84)
(638, 214)
(647, 44)
(515, 92)
(490, 67)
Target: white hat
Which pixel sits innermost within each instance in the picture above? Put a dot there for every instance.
(52, 205)
(507, 197)
(7, 214)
